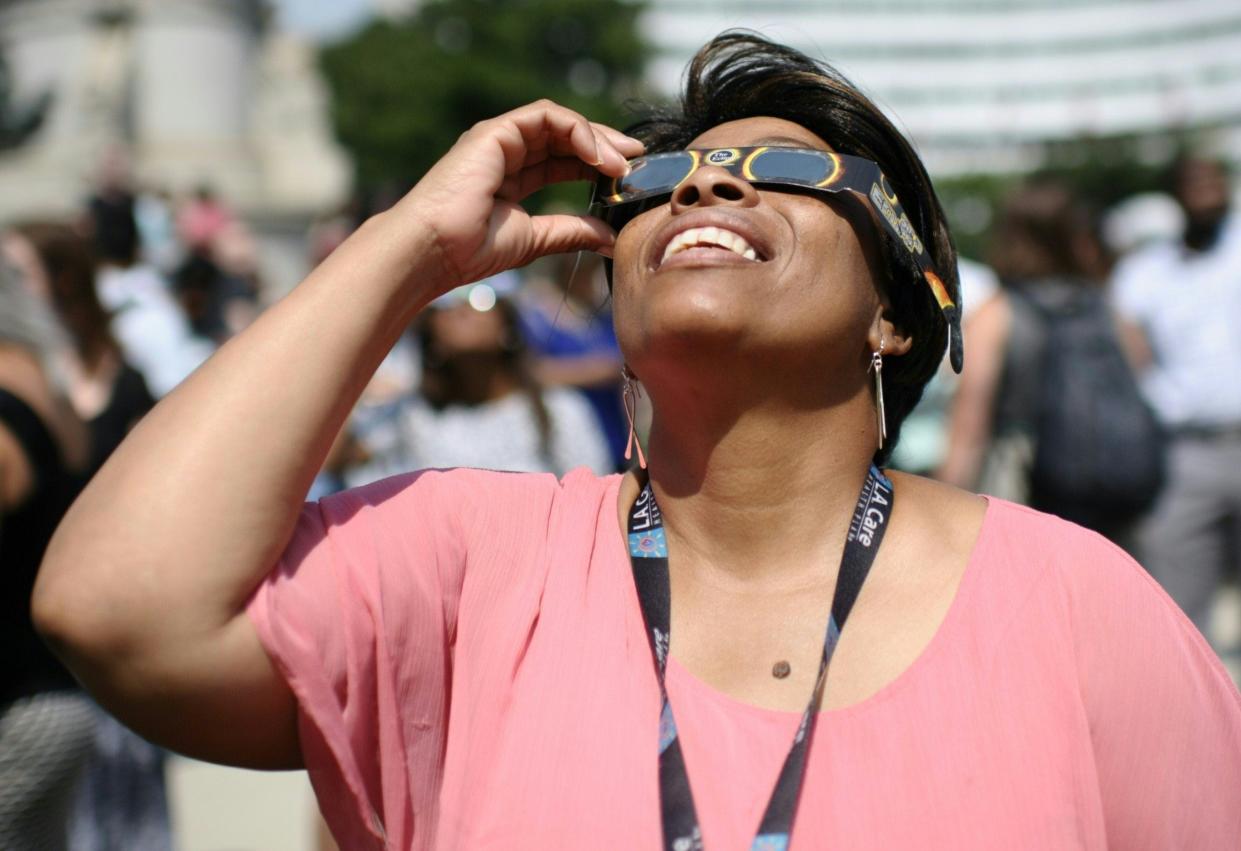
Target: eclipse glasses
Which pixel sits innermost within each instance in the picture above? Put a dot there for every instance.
(652, 178)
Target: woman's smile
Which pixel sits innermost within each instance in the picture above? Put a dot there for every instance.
(705, 241)
(708, 236)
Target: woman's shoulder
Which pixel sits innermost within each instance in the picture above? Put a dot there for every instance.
(1017, 547)
(1046, 542)
(1029, 567)
(1109, 599)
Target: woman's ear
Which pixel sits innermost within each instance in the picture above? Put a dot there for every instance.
(883, 330)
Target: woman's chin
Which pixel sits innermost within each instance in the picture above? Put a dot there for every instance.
(695, 316)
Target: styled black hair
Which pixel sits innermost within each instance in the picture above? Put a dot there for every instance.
(740, 74)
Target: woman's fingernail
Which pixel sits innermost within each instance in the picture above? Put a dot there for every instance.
(605, 251)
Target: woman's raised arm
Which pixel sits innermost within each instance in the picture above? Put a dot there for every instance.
(143, 587)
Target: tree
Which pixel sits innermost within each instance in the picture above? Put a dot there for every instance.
(403, 91)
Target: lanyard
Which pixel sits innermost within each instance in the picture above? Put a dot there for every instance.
(648, 553)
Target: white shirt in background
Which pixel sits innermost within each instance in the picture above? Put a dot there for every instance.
(150, 326)
(497, 435)
(1189, 305)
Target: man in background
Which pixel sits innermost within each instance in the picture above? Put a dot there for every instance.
(1185, 295)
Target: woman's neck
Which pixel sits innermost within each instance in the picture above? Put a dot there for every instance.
(767, 493)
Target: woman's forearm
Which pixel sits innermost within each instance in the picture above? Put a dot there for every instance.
(172, 536)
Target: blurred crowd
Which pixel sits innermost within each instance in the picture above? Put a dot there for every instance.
(1101, 384)
(101, 314)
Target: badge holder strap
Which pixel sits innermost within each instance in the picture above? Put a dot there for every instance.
(649, 559)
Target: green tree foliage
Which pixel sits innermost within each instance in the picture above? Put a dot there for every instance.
(1102, 171)
(403, 91)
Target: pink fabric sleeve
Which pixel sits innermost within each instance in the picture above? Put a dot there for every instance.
(359, 617)
(1164, 715)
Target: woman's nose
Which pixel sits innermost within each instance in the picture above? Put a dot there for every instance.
(712, 185)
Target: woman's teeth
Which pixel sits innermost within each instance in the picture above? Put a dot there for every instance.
(711, 237)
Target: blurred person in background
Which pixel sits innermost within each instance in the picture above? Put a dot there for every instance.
(1048, 325)
(46, 722)
(151, 327)
(479, 403)
(218, 287)
(201, 219)
(106, 391)
(568, 327)
(157, 229)
(1185, 295)
(218, 282)
(924, 434)
(121, 801)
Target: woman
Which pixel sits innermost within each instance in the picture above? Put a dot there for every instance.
(46, 722)
(479, 404)
(106, 392)
(460, 657)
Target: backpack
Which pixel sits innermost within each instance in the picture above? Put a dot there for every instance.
(1100, 451)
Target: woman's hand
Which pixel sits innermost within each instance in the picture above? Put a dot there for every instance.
(470, 200)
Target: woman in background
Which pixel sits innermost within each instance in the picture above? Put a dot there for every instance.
(479, 403)
(568, 327)
(46, 722)
(106, 391)
(1014, 403)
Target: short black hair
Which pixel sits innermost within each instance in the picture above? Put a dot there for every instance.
(740, 74)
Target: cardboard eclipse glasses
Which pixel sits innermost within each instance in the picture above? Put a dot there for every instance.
(617, 200)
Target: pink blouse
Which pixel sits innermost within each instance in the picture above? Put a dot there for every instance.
(472, 671)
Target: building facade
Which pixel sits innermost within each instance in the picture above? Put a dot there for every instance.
(185, 93)
(984, 85)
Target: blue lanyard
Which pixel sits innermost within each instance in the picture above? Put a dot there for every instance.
(648, 554)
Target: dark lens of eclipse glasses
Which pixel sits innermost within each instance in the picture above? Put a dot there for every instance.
(657, 174)
(794, 167)
(660, 174)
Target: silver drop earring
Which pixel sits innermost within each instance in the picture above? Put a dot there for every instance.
(630, 393)
(876, 366)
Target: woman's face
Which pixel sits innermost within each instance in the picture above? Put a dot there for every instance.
(460, 329)
(806, 293)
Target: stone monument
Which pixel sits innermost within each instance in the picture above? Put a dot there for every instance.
(185, 93)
